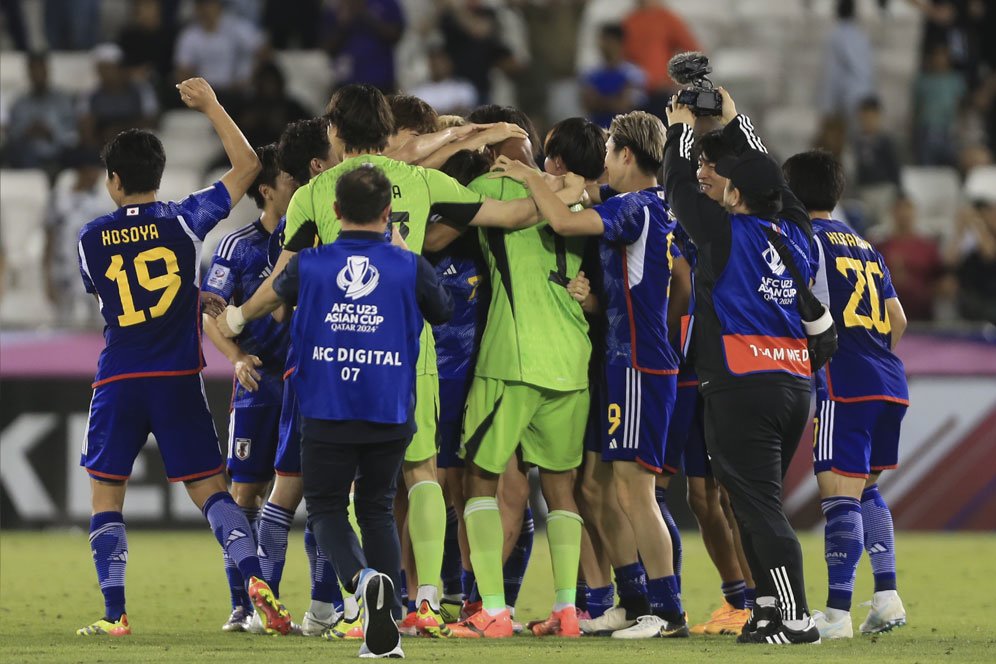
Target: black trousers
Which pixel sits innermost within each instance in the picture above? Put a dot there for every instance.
(751, 435)
(328, 472)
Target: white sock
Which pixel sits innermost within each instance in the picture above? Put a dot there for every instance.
(836, 615)
(350, 607)
(322, 611)
(560, 606)
(797, 625)
(883, 595)
(494, 612)
(430, 594)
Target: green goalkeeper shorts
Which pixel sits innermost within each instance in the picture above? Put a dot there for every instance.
(425, 443)
(502, 416)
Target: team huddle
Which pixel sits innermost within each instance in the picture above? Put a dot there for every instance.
(419, 303)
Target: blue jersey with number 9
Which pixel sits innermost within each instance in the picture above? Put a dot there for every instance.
(143, 263)
(853, 281)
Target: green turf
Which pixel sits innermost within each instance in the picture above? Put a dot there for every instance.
(178, 599)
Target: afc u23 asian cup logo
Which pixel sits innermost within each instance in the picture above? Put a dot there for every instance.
(774, 260)
(358, 278)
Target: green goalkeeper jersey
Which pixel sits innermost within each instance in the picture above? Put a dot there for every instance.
(311, 219)
(536, 332)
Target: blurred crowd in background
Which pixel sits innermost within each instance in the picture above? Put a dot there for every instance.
(903, 91)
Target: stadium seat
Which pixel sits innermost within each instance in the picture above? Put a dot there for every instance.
(748, 73)
(309, 77)
(936, 192)
(184, 122)
(23, 202)
(72, 72)
(178, 182)
(192, 152)
(790, 129)
(981, 184)
(13, 76)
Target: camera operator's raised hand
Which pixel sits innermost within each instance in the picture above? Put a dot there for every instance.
(729, 108)
(679, 113)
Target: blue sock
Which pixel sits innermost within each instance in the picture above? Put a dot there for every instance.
(324, 582)
(672, 529)
(470, 592)
(515, 567)
(236, 584)
(599, 599)
(880, 538)
(631, 580)
(843, 540)
(274, 528)
(231, 529)
(581, 596)
(734, 593)
(450, 574)
(109, 545)
(403, 591)
(750, 594)
(665, 598)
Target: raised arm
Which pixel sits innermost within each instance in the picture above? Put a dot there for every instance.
(198, 95)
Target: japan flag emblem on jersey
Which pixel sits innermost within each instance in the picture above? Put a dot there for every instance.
(358, 278)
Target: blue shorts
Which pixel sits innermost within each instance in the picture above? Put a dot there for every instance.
(593, 431)
(252, 442)
(174, 409)
(288, 458)
(685, 442)
(856, 439)
(452, 402)
(635, 422)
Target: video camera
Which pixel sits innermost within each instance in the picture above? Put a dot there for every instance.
(690, 69)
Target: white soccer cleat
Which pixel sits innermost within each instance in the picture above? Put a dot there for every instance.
(887, 613)
(652, 627)
(254, 624)
(236, 622)
(836, 629)
(312, 626)
(611, 621)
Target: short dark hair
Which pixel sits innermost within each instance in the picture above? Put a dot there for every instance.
(816, 177)
(466, 166)
(712, 146)
(267, 155)
(613, 30)
(138, 157)
(361, 117)
(301, 142)
(870, 103)
(581, 144)
(494, 113)
(362, 194)
(412, 113)
(765, 204)
(845, 9)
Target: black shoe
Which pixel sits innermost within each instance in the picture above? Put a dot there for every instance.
(765, 615)
(380, 632)
(779, 634)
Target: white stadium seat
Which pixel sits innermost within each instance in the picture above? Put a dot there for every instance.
(23, 201)
(981, 184)
(936, 192)
(184, 122)
(309, 77)
(790, 129)
(72, 72)
(13, 76)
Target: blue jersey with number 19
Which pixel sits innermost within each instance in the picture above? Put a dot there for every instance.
(853, 281)
(143, 263)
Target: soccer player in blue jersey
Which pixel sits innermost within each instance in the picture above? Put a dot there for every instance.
(142, 264)
(640, 370)
(861, 398)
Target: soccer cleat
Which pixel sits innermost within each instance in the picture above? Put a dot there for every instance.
(469, 609)
(105, 627)
(731, 622)
(312, 626)
(837, 629)
(344, 630)
(887, 612)
(429, 621)
(274, 616)
(777, 633)
(237, 621)
(409, 626)
(611, 621)
(759, 618)
(652, 627)
(718, 617)
(560, 623)
(450, 610)
(380, 633)
(483, 625)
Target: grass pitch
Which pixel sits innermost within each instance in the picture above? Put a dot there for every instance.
(178, 599)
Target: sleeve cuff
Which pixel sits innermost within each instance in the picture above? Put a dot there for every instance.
(820, 325)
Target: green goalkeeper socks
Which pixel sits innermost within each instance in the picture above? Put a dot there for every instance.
(427, 526)
(484, 530)
(563, 530)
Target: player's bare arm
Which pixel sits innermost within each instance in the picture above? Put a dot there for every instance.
(197, 94)
(897, 318)
(552, 205)
(244, 364)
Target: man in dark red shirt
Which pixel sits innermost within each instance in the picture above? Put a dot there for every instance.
(914, 260)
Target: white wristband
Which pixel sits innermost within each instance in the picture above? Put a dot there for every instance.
(233, 316)
(820, 325)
